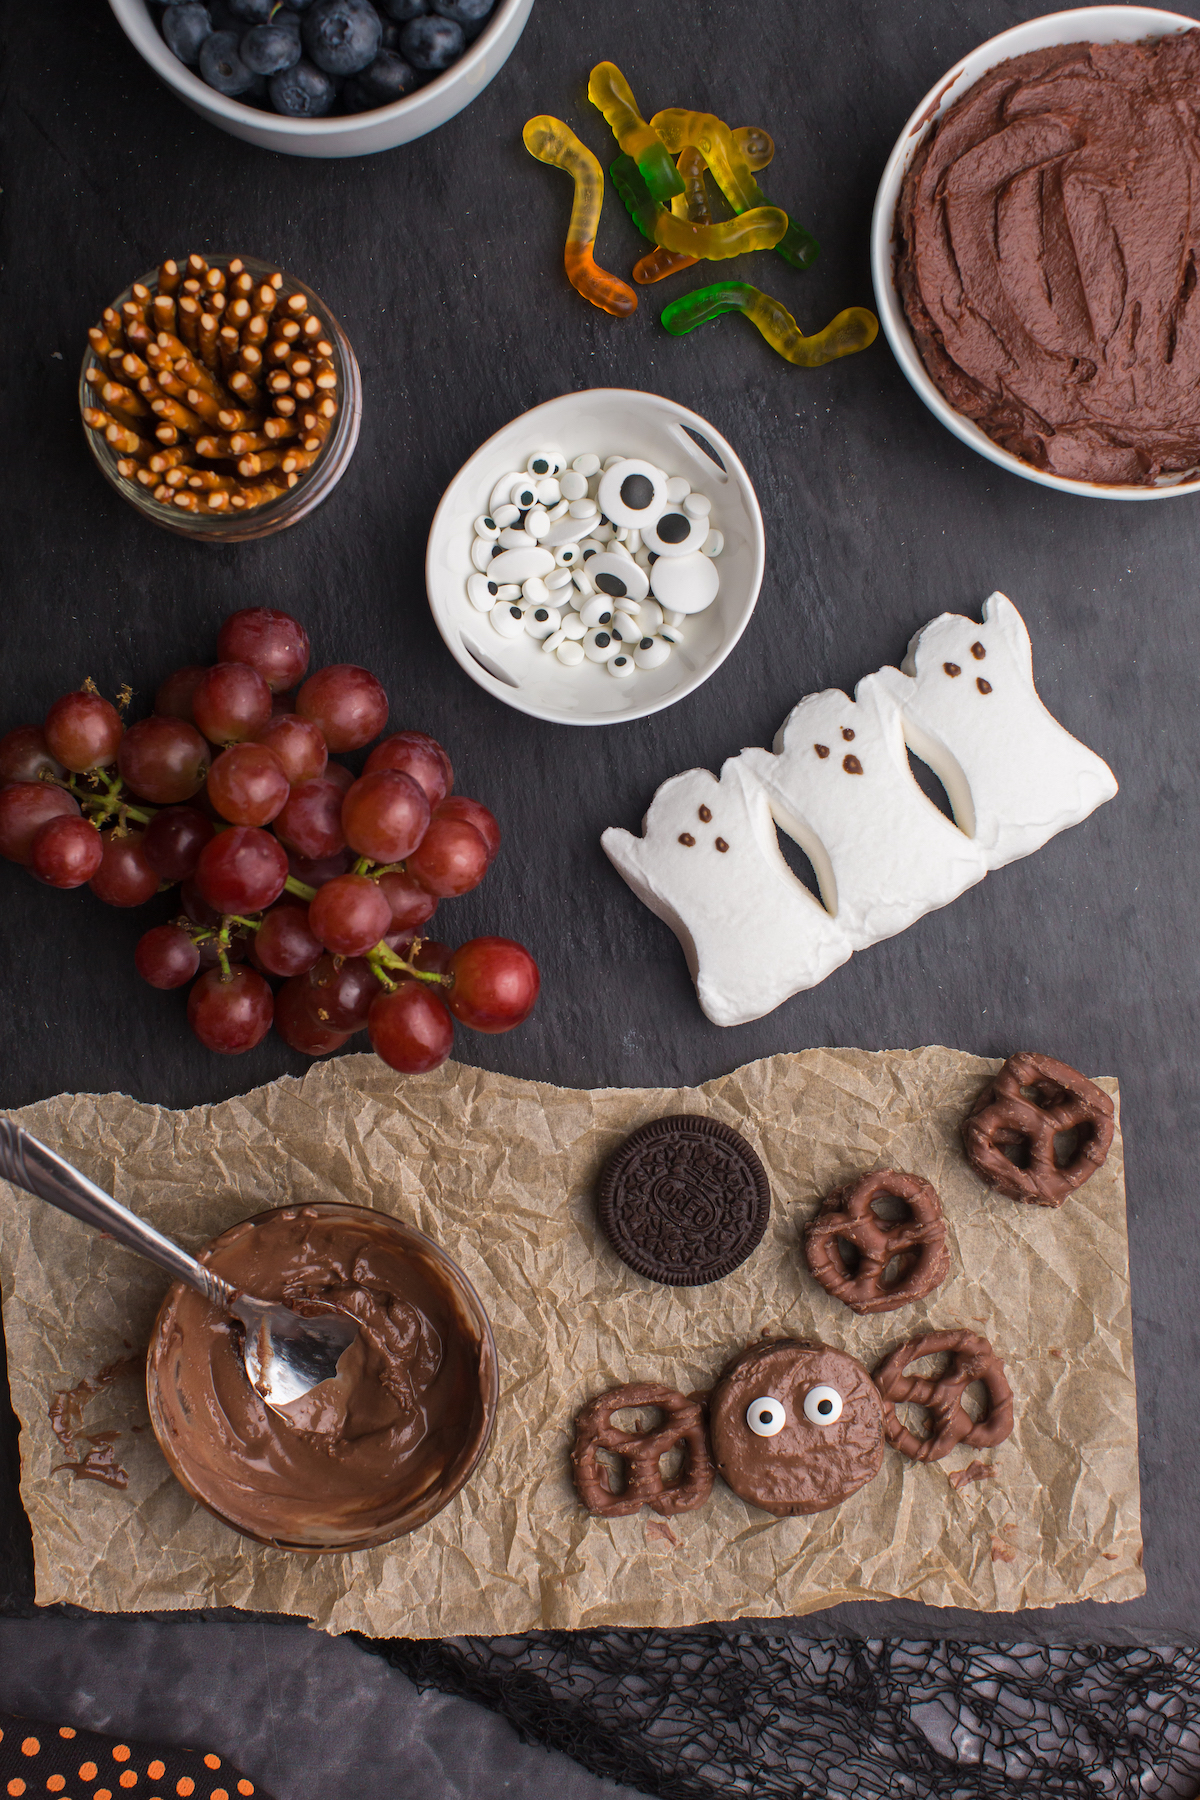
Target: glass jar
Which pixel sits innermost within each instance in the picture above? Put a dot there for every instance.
(315, 483)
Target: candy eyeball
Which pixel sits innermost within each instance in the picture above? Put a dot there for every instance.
(618, 576)
(766, 1417)
(545, 462)
(567, 555)
(621, 666)
(822, 1405)
(523, 493)
(676, 533)
(632, 493)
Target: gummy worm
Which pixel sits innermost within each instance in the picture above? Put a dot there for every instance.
(759, 229)
(852, 330)
(609, 90)
(555, 143)
(677, 127)
(758, 149)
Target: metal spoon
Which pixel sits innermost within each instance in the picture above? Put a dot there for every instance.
(285, 1355)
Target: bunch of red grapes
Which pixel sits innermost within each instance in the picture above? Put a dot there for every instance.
(291, 867)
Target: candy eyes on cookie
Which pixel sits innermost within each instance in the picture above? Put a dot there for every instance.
(766, 1417)
(822, 1405)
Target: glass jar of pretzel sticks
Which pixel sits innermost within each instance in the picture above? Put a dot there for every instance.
(221, 398)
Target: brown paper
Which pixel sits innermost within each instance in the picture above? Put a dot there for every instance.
(501, 1173)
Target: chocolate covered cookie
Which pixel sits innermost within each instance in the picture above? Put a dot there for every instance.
(795, 1427)
(875, 1264)
(684, 1201)
(1039, 1130)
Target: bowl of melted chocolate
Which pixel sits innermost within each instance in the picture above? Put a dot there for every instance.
(1034, 251)
(363, 1458)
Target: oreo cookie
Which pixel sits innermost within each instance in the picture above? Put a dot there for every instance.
(684, 1201)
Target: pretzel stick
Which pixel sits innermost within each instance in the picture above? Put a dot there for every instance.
(218, 502)
(296, 305)
(171, 459)
(238, 311)
(133, 366)
(256, 495)
(102, 345)
(196, 266)
(195, 376)
(138, 334)
(168, 276)
(228, 350)
(266, 298)
(113, 325)
(298, 460)
(244, 387)
(276, 429)
(214, 280)
(208, 340)
(250, 359)
(285, 405)
(255, 330)
(96, 419)
(171, 413)
(279, 382)
(188, 312)
(204, 404)
(122, 399)
(233, 418)
(167, 434)
(172, 345)
(210, 482)
(163, 311)
(186, 502)
(128, 442)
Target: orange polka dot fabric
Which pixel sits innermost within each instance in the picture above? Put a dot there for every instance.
(39, 1760)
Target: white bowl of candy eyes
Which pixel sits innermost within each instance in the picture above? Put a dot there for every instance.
(553, 600)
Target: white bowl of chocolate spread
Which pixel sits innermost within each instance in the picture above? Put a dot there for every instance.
(361, 1459)
(1034, 250)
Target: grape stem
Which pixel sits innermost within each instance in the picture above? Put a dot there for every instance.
(384, 960)
(293, 885)
(100, 807)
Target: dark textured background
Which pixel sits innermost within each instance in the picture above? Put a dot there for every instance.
(442, 260)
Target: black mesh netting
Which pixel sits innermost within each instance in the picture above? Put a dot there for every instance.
(697, 1714)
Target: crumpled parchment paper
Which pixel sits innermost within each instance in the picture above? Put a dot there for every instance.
(501, 1172)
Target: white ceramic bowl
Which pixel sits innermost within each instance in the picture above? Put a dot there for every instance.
(357, 134)
(1090, 25)
(608, 421)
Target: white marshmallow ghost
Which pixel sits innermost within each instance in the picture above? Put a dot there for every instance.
(840, 784)
(709, 864)
(1014, 776)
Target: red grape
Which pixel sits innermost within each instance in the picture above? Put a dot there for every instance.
(310, 820)
(166, 956)
(496, 983)
(451, 858)
(242, 870)
(230, 1013)
(385, 816)
(83, 731)
(296, 1025)
(284, 943)
(345, 778)
(174, 839)
(341, 990)
(411, 904)
(163, 760)
(65, 852)
(317, 871)
(415, 753)
(247, 785)
(350, 915)
(410, 1028)
(196, 907)
(231, 702)
(298, 744)
(433, 957)
(25, 806)
(124, 877)
(236, 950)
(470, 812)
(24, 754)
(174, 698)
(271, 642)
(348, 704)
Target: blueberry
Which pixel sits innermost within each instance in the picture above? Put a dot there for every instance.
(431, 44)
(269, 49)
(294, 6)
(342, 36)
(470, 14)
(302, 92)
(222, 67)
(388, 78)
(404, 10)
(185, 28)
(252, 12)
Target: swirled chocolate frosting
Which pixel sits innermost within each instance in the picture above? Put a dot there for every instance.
(1047, 238)
(377, 1450)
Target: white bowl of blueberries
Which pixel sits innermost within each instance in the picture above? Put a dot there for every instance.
(325, 77)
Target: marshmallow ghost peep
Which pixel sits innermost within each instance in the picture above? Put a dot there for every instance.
(839, 783)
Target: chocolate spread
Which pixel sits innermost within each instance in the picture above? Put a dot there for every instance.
(1047, 234)
(99, 1461)
(364, 1457)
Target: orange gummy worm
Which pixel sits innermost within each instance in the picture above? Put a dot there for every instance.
(555, 143)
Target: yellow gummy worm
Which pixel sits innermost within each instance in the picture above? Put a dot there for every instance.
(850, 331)
(611, 93)
(755, 144)
(757, 147)
(712, 137)
(555, 143)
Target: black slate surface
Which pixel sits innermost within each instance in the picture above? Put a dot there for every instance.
(442, 260)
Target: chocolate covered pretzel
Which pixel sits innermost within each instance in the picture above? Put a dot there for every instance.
(971, 1359)
(641, 1453)
(1011, 1130)
(917, 1241)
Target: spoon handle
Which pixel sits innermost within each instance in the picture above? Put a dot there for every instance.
(30, 1164)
